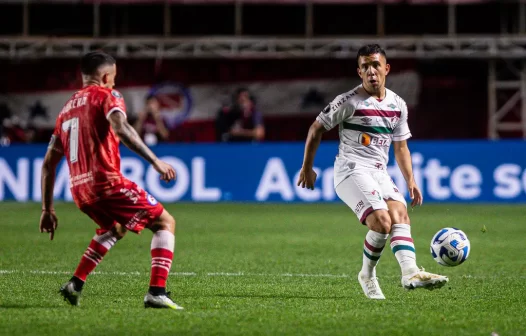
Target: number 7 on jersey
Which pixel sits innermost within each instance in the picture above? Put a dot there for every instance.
(72, 125)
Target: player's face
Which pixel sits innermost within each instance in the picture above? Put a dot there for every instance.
(108, 76)
(373, 69)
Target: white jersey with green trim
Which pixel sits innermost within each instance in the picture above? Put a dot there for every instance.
(367, 126)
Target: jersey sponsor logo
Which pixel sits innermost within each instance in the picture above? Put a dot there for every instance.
(342, 100)
(116, 94)
(175, 100)
(77, 180)
(369, 140)
(327, 109)
(136, 219)
(364, 139)
(151, 199)
(359, 207)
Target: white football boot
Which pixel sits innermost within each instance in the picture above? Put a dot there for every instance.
(423, 279)
(371, 288)
(160, 301)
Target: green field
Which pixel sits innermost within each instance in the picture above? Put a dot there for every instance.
(252, 269)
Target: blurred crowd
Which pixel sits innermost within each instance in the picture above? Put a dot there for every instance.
(237, 120)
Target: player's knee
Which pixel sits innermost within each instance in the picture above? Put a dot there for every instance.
(400, 216)
(170, 224)
(404, 218)
(379, 221)
(165, 222)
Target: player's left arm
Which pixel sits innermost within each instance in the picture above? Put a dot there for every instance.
(129, 136)
(403, 155)
(114, 109)
(54, 154)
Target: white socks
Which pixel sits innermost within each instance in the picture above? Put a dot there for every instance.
(403, 248)
(372, 250)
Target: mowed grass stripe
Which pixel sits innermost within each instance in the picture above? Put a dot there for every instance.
(262, 269)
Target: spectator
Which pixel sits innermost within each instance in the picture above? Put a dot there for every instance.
(240, 120)
(150, 124)
(5, 114)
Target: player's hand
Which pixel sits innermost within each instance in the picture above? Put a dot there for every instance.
(48, 223)
(307, 178)
(415, 194)
(167, 172)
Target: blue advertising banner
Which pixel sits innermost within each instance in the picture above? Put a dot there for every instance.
(472, 171)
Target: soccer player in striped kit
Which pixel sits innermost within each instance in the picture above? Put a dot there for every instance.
(370, 118)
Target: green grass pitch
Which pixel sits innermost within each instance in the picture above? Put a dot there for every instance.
(253, 269)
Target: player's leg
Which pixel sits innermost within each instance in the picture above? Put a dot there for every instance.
(101, 243)
(361, 193)
(136, 210)
(402, 243)
(162, 250)
(404, 251)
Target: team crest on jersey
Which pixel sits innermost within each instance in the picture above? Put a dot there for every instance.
(393, 106)
(151, 199)
(366, 121)
(377, 194)
(116, 94)
(366, 103)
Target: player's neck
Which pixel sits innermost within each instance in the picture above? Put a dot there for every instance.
(90, 82)
(378, 94)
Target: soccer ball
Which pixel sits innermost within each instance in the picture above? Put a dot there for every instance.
(450, 247)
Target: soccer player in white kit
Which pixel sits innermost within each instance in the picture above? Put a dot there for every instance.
(370, 117)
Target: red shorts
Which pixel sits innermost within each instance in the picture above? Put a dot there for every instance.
(126, 204)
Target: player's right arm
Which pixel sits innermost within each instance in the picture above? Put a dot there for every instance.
(129, 136)
(333, 114)
(307, 174)
(48, 219)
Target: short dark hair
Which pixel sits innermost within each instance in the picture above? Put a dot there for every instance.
(92, 61)
(370, 49)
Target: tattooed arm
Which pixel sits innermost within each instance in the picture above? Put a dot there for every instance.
(133, 141)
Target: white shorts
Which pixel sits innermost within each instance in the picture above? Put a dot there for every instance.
(367, 190)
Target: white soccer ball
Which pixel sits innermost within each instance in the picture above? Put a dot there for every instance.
(450, 247)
